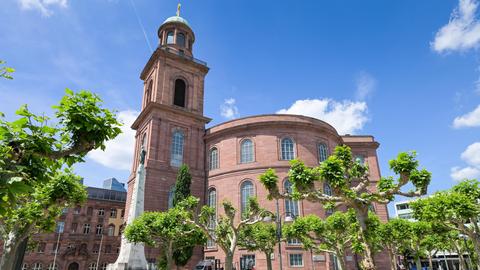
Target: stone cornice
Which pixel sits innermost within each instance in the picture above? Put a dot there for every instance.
(156, 106)
(161, 52)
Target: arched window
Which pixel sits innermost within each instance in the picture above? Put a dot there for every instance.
(52, 266)
(171, 193)
(181, 39)
(212, 202)
(246, 191)
(170, 37)
(99, 229)
(212, 198)
(322, 152)
(291, 206)
(214, 158)
(148, 93)
(180, 91)
(327, 190)
(176, 157)
(37, 266)
(287, 149)
(246, 151)
(92, 266)
(111, 230)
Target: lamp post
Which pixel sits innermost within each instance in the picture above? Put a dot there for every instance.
(288, 218)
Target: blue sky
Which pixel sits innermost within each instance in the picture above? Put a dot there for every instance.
(406, 72)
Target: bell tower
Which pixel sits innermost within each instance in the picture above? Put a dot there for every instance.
(171, 124)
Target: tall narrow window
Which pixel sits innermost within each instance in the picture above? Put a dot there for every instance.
(179, 95)
(327, 190)
(181, 39)
(99, 229)
(322, 152)
(291, 206)
(86, 228)
(287, 149)
(148, 93)
(176, 157)
(170, 37)
(214, 158)
(246, 151)
(111, 230)
(246, 191)
(212, 202)
(171, 193)
(360, 159)
(60, 226)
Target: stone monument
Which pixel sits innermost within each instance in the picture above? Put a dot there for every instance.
(132, 256)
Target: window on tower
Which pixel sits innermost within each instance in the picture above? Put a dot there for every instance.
(181, 39)
(148, 93)
(170, 37)
(176, 155)
(179, 95)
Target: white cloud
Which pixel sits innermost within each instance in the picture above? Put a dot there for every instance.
(229, 109)
(347, 116)
(462, 31)
(44, 6)
(459, 174)
(471, 156)
(366, 84)
(471, 119)
(118, 153)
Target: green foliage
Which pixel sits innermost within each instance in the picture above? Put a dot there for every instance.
(5, 72)
(33, 148)
(182, 191)
(259, 237)
(182, 185)
(352, 188)
(167, 230)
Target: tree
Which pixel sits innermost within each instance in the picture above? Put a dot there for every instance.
(37, 212)
(394, 236)
(33, 149)
(351, 187)
(456, 209)
(224, 230)
(260, 237)
(182, 191)
(167, 230)
(333, 235)
(5, 72)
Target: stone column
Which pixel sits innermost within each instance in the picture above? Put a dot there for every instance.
(132, 256)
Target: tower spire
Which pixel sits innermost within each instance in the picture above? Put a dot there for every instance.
(178, 9)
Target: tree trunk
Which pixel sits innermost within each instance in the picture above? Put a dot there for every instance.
(10, 251)
(463, 265)
(393, 259)
(367, 262)
(418, 263)
(269, 260)
(430, 261)
(341, 261)
(229, 261)
(169, 255)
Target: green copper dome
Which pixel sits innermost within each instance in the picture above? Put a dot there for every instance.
(176, 19)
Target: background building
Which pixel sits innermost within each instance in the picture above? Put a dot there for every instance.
(226, 160)
(84, 235)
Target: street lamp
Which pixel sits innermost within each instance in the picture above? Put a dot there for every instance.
(289, 217)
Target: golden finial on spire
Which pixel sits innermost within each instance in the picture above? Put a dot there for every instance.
(178, 9)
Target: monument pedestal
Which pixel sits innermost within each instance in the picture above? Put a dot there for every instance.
(132, 256)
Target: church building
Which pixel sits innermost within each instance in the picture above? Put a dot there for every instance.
(226, 160)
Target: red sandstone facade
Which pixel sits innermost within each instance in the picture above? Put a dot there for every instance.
(79, 248)
(171, 127)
